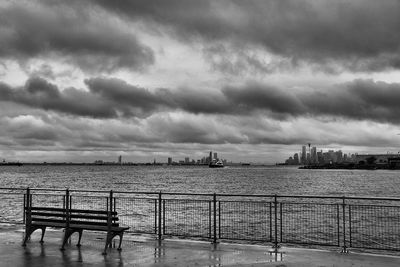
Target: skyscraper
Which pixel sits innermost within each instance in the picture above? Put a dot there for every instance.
(120, 159)
(296, 158)
(314, 158)
(303, 155)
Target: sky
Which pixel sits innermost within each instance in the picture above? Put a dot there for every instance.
(252, 80)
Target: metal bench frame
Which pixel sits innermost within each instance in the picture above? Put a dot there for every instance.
(73, 220)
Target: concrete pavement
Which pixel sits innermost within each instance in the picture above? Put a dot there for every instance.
(142, 251)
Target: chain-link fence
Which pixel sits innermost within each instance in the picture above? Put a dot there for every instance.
(346, 222)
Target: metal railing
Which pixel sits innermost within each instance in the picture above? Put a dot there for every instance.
(344, 222)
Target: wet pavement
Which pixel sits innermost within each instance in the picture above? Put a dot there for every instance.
(145, 251)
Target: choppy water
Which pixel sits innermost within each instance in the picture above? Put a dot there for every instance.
(316, 223)
(201, 179)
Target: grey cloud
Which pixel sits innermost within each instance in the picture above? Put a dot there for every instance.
(114, 98)
(38, 93)
(263, 97)
(44, 70)
(359, 100)
(132, 99)
(358, 35)
(239, 60)
(136, 101)
(78, 33)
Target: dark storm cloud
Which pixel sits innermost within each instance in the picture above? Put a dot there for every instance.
(359, 35)
(256, 96)
(114, 98)
(39, 93)
(79, 34)
(359, 100)
(136, 100)
(125, 96)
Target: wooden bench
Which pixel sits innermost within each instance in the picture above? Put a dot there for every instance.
(73, 220)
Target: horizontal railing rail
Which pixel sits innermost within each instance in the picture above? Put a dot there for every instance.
(341, 221)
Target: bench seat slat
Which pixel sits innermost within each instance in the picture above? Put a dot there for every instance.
(79, 216)
(81, 226)
(62, 210)
(101, 223)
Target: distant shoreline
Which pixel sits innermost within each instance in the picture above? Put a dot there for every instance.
(121, 164)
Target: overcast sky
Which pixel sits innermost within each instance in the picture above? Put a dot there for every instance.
(253, 80)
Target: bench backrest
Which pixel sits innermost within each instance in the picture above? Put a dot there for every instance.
(75, 216)
(68, 215)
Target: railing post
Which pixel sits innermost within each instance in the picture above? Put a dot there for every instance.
(27, 206)
(270, 222)
(350, 240)
(110, 212)
(163, 217)
(67, 207)
(155, 216)
(209, 220)
(344, 248)
(219, 219)
(215, 218)
(338, 223)
(276, 245)
(159, 215)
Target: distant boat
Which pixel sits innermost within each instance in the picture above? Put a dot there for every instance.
(216, 164)
(11, 164)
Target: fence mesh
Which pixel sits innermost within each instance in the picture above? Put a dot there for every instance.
(140, 214)
(367, 223)
(191, 218)
(49, 200)
(87, 202)
(376, 227)
(245, 220)
(11, 207)
(309, 223)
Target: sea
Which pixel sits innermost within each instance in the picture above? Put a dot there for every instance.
(315, 223)
(281, 180)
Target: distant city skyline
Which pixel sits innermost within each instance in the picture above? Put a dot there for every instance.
(252, 79)
(313, 155)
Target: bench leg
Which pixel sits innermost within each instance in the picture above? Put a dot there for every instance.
(28, 232)
(67, 234)
(43, 231)
(108, 242)
(80, 237)
(120, 240)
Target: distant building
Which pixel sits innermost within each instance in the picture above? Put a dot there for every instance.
(314, 158)
(169, 161)
(339, 156)
(374, 158)
(215, 155)
(187, 160)
(320, 157)
(120, 159)
(296, 159)
(303, 155)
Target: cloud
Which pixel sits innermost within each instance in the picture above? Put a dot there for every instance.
(130, 100)
(356, 35)
(38, 93)
(78, 34)
(356, 100)
(114, 98)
